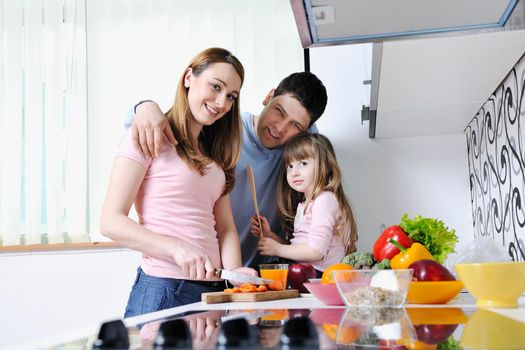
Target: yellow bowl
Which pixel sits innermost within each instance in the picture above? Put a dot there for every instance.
(488, 330)
(433, 292)
(496, 284)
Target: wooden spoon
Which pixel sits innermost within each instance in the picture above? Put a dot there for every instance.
(251, 180)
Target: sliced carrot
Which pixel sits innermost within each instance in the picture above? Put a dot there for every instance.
(262, 288)
(248, 288)
(251, 288)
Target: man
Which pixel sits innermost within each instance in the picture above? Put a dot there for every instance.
(293, 107)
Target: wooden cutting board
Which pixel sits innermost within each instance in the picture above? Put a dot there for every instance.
(221, 297)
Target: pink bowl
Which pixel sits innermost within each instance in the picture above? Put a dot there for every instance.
(327, 293)
(326, 316)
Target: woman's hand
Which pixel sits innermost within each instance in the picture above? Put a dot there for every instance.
(269, 246)
(256, 230)
(148, 128)
(204, 332)
(194, 264)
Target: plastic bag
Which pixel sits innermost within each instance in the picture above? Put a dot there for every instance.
(480, 250)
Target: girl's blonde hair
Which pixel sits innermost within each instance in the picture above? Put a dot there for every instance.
(220, 141)
(327, 178)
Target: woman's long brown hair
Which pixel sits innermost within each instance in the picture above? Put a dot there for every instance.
(220, 141)
(327, 178)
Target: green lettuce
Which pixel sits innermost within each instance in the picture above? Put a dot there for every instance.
(432, 233)
(449, 344)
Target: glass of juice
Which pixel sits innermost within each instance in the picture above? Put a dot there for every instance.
(276, 272)
(274, 317)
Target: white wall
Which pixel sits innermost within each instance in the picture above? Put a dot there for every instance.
(138, 49)
(385, 178)
(45, 294)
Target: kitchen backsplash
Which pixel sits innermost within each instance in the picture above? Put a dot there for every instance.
(496, 161)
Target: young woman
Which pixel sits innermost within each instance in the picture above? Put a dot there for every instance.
(312, 207)
(186, 229)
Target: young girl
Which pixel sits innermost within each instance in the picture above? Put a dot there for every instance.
(313, 209)
(186, 229)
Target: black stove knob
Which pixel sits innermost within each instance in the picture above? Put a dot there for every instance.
(237, 334)
(173, 334)
(299, 333)
(112, 335)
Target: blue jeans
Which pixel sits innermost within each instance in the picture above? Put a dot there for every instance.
(150, 293)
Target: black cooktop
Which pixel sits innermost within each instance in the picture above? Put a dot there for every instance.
(334, 328)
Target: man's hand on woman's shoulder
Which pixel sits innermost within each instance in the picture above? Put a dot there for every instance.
(148, 128)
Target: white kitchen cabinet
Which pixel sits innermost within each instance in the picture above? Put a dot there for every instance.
(435, 86)
(434, 63)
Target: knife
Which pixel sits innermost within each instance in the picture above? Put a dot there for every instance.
(247, 315)
(240, 277)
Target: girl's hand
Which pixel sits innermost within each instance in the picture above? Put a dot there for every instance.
(256, 230)
(245, 271)
(194, 264)
(268, 246)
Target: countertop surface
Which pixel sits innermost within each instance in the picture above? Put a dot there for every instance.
(464, 302)
(307, 301)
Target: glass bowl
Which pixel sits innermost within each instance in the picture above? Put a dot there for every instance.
(373, 288)
(375, 328)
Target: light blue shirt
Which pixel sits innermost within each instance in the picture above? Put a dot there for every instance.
(266, 164)
(129, 118)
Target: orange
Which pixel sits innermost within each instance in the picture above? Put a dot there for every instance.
(419, 345)
(330, 330)
(347, 335)
(327, 278)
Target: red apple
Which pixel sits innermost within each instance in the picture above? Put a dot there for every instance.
(430, 270)
(300, 273)
(434, 333)
(293, 313)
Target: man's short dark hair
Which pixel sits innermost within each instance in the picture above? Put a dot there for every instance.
(308, 90)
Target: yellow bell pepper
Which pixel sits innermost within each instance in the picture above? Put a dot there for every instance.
(416, 252)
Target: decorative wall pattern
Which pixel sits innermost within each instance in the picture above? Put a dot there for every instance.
(496, 160)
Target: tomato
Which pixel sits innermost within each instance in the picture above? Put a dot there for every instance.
(327, 278)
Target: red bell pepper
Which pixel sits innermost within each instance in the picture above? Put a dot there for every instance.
(385, 250)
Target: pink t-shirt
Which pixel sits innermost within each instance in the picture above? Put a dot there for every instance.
(176, 201)
(316, 228)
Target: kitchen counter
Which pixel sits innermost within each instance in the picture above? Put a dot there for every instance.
(307, 301)
(304, 305)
